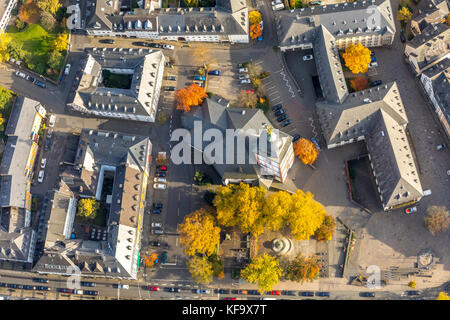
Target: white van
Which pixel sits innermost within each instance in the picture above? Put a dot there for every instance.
(427, 192)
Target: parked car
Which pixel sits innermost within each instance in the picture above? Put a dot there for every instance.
(229, 298)
(323, 294)
(20, 74)
(67, 69)
(289, 293)
(156, 244)
(42, 288)
(168, 47)
(160, 174)
(274, 293)
(375, 83)
(87, 284)
(174, 289)
(306, 293)
(121, 286)
(214, 72)
(65, 290)
(169, 88)
(3, 285)
(155, 45)
(156, 225)
(91, 293)
(367, 294)
(28, 287)
(157, 231)
(244, 76)
(402, 37)
(307, 57)
(153, 288)
(49, 133)
(372, 53)
(78, 291)
(243, 292)
(440, 147)
(51, 121)
(315, 142)
(43, 163)
(41, 280)
(411, 293)
(286, 123)
(223, 291)
(164, 257)
(156, 211)
(296, 137)
(110, 41)
(41, 176)
(40, 83)
(250, 90)
(280, 112)
(160, 186)
(30, 78)
(200, 84)
(254, 292)
(427, 192)
(243, 70)
(203, 291)
(373, 64)
(282, 117)
(201, 78)
(372, 58)
(161, 168)
(157, 205)
(245, 81)
(141, 44)
(410, 210)
(171, 78)
(277, 107)
(162, 180)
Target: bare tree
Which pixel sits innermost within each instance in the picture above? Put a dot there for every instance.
(437, 219)
(248, 99)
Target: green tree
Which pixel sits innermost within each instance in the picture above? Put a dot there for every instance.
(217, 264)
(55, 60)
(15, 50)
(87, 208)
(20, 24)
(264, 271)
(201, 269)
(5, 39)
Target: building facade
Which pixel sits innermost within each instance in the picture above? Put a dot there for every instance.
(6, 7)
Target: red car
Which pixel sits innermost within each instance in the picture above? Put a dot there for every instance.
(230, 298)
(153, 288)
(275, 293)
(65, 290)
(162, 168)
(250, 90)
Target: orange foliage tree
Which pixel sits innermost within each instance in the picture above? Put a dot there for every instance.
(149, 261)
(190, 96)
(255, 31)
(359, 83)
(306, 151)
(357, 58)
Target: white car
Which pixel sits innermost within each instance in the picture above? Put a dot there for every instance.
(159, 186)
(51, 121)
(162, 180)
(67, 69)
(41, 176)
(245, 81)
(242, 70)
(43, 163)
(156, 225)
(124, 286)
(20, 74)
(373, 64)
(168, 47)
(243, 76)
(307, 57)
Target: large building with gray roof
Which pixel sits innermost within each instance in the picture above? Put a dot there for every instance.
(143, 70)
(125, 158)
(226, 22)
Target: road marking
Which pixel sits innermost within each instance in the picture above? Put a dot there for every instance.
(271, 87)
(179, 195)
(259, 62)
(178, 209)
(274, 98)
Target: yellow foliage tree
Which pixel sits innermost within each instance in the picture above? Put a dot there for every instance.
(276, 206)
(404, 15)
(443, 296)
(87, 208)
(305, 216)
(357, 58)
(306, 151)
(201, 269)
(190, 96)
(50, 6)
(241, 205)
(149, 261)
(254, 17)
(302, 269)
(61, 42)
(5, 39)
(199, 233)
(264, 271)
(255, 31)
(327, 229)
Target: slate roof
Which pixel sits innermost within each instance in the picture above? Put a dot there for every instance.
(429, 12)
(440, 79)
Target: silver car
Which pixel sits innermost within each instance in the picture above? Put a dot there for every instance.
(160, 186)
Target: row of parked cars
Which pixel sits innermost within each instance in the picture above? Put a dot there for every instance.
(281, 115)
(23, 286)
(37, 82)
(149, 45)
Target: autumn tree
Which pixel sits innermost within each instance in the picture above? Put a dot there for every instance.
(437, 219)
(275, 208)
(264, 271)
(241, 205)
(48, 22)
(305, 215)
(254, 17)
(248, 99)
(15, 50)
(50, 6)
(190, 96)
(357, 58)
(201, 269)
(443, 296)
(255, 31)
(404, 15)
(149, 261)
(61, 42)
(301, 269)
(87, 208)
(5, 39)
(306, 151)
(412, 284)
(327, 229)
(359, 83)
(55, 60)
(199, 233)
(191, 3)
